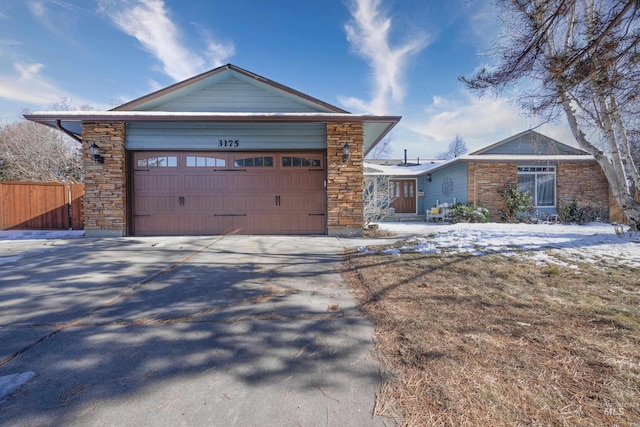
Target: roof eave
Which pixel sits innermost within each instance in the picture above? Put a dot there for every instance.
(115, 116)
(50, 118)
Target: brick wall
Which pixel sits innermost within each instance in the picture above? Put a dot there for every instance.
(583, 182)
(345, 181)
(105, 194)
(484, 180)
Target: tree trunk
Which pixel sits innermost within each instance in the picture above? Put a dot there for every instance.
(616, 178)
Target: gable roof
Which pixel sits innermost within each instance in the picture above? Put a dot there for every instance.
(207, 84)
(194, 100)
(528, 146)
(528, 142)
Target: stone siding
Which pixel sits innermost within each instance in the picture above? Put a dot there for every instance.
(105, 194)
(585, 183)
(345, 181)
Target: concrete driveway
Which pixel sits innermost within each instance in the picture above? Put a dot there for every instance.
(219, 331)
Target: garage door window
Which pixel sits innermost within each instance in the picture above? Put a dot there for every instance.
(205, 162)
(255, 162)
(158, 162)
(290, 161)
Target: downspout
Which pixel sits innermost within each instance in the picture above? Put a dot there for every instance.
(475, 185)
(67, 131)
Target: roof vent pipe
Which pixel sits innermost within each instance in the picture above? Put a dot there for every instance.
(418, 160)
(405, 157)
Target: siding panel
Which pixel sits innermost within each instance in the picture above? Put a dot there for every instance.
(435, 190)
(234, 95)
(206, 136)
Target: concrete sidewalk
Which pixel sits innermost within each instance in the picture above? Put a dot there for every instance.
(221, 331)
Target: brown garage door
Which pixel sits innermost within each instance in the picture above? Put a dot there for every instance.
(178, 193)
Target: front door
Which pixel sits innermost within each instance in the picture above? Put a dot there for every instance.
(403, 195)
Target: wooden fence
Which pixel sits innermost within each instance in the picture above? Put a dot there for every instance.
(47, 206)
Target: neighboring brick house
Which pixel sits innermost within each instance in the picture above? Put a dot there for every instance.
(555, 174)
(227, 151)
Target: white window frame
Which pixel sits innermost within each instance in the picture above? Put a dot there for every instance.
(537, 170)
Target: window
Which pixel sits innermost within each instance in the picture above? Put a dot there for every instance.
(304, 162)
(395, 190)
(254, 162)
(205, 162)
(158, 162)
(540, 181)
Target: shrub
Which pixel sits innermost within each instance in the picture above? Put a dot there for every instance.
(571, 212)
(515, 201)
(469, 213)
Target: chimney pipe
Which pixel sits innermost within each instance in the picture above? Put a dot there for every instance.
(405, 157)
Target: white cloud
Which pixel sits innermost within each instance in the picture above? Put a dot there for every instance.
(471, 117)
(150, 23)
(480, 121)
(27, 85)
(368, 32)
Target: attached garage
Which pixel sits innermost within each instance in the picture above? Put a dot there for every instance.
(224, 152)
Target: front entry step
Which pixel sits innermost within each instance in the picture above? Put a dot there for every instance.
(404, 218)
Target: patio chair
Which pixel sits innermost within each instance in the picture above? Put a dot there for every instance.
(439, 213)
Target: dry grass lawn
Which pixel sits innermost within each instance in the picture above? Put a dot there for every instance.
(496, 340)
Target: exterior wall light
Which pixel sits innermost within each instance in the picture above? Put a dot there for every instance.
(94, 150)
(428, 177)
(346, 152)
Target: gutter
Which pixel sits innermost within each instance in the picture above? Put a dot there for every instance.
(67, 131)
(205, 117)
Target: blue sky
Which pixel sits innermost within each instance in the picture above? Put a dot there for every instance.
(396, 57)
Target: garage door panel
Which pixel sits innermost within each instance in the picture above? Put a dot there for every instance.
(253, 202)
(300, 207)
(197, 196)
(205, 182)
(303, 181)
(151, 224)
(252, 182)
(206, 204)
(147, 181)
(148, 204)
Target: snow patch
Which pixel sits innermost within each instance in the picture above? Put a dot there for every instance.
(558, 244)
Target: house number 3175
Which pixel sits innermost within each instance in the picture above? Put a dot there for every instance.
(228, 143)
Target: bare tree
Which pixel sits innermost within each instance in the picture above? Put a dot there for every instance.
(32, 152)
(456, 148)
(579, 58)
(376, 198)
(381, 150)
(36, 153)
(65, 104)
